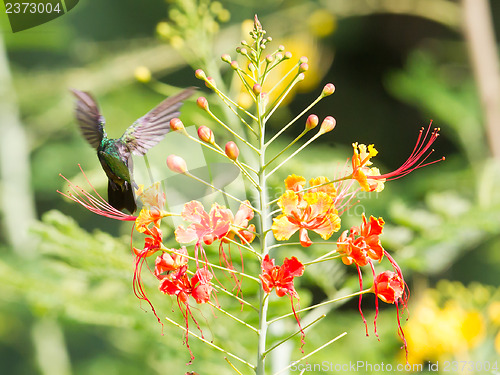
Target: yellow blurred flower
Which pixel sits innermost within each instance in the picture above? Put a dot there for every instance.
(494, 312)
(142, 74)
(322, 23)
(497, 343)
(437, 333)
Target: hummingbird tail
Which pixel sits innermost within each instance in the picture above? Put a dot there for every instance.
(121, 197)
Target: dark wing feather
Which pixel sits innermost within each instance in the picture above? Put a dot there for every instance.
(150, 129)
(89, 119)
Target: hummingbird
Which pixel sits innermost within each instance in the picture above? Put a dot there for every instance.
(115, 155)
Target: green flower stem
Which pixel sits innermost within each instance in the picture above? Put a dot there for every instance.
(295, 119)
(317, 135)
(311, 353)
(232, 316)
(294, 334)
(318, 305)
(219, 190)
(293, 69)
(227, 100)
(148, 167)
(283, 95)
(324, 256)
(232, 366)
(243, 80)
(210, 147)
(246, 246)
(210, 343)
(241, 300)
(232, 131)
(240, 166)
(322, 259)
(286, 148)
(264, 226)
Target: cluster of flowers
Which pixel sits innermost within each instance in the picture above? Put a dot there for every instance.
(316, 208)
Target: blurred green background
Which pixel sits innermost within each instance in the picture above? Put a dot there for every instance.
(66, 300)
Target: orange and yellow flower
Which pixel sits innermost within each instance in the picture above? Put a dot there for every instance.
(303, 211)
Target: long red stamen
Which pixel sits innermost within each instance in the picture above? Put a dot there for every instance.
(97, 205)
(417, 157)
(361, 298)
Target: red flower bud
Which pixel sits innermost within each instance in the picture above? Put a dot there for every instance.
(200, 74)
(206, 134)
(329, 89)
(234, 65)
(226, 58)
(327, 125)
(303, 67)
(176, 125)
(311, 122)
(232, 150)
(202, 102)
(176, 164)
(257, 89)
(210, 82)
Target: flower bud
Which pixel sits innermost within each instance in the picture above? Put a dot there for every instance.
(327, 125)
(311, 122)
(232, 150)
(269, 59)
(200, 74)
(142, 74)
(251, 67)
(234, 65)
(243, 51)
(163, 29)
(288, 55)
(226, 58)
(279, 56)
(303, 67)
(257, 89)
(281, 48)
(202, 102)
(176, 125)
(176, 164)
(329, 89)
(301, 77)
(206, 134)
(210, 82)
(303, 60)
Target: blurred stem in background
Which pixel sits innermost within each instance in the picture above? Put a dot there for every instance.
(480, 40)
(18, 204)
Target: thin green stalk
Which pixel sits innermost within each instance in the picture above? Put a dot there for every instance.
(318, 305)
(210, 343)
(321, 259)
(233, 317)
(295, 119)
(298, 243)
(317, 135)
(224, 290)
(311, 353)
(286, 148)
(219, 190)
(294, 334)
(294, 68)
(283, 96)
(232, 366)
(220, 122)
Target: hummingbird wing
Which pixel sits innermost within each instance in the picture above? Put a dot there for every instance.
(150, 129)
(89, 119)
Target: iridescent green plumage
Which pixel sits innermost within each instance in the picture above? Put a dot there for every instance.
(115, 155)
